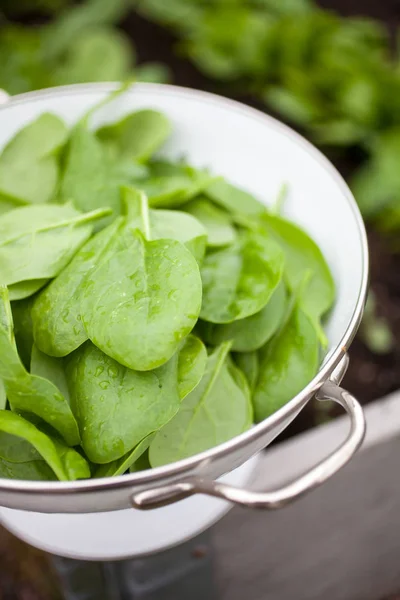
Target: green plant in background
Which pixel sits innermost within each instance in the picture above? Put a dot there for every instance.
(81, 44)
(334, 77)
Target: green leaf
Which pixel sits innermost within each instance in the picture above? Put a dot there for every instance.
(171, 185)
(15, 425)
(252, 332)
(25, 289)
(91, 179)
(3, 396)
(150, 292)
(217, 222)
(248, 363)
(165, 224)
(137, 135)
(191, 364)
(23, 328)
(75, 21)
(29, 165)
(37, 242)
(234, 199)
(303, 256)
(56, 313)
(117, 407)
(49, 368)
(215, 411)
(287, 364)
(81, 63)
(120, 466)
(29, 393)
(36, 470)
(239, 280)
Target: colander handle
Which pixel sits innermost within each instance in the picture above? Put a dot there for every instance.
(280, 497)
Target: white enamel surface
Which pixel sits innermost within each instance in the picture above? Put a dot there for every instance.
(259, 154)
(123, 533)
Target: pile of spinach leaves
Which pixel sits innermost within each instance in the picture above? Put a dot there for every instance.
(149, 310)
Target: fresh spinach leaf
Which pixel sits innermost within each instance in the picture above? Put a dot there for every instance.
(215, 411)
(15, 425)
(287, 363)
(165, 224)
(37, 242)
(192, 362)
(137, 135)
(217, 222)
(23, 328)
(252, 332)
(248, 363)
(172, 185)
(29, 393)
(29, 165)
(50, 368)
(150, 292)
(239, 280)
(303, 256)
(36, 470)
(120, 466)
(56, 313)
(116, 407)
(3, 396)
(91, 177)
(25, 289)
(234, 199)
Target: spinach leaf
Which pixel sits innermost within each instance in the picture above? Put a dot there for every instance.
(3, 396)
(25, 289)
(179, 226)
(150, 292)
(15, 425)
(37, 242)
(287, 363)
(35, 470)
(161, 224)
(239, 280)
(29, 165)
(75, 465)
(29, 393)
(116, 408)
(215, 411)
(137, 135)
(234, 199)
(192, 362)
(217, 222)
(172, 185)
(23, 328)
(120, 466)
(50, 368)
(303, 256)
(248, 363)
(252, 332)
(91, 178)
(56, 313)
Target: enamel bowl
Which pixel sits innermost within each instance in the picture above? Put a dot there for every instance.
(257, 153)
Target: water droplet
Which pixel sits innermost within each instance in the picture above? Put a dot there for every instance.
(98, 371)
(104, 385)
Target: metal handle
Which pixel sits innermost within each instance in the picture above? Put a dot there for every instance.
(275, 499)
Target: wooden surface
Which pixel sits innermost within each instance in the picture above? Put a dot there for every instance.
(342, 542)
